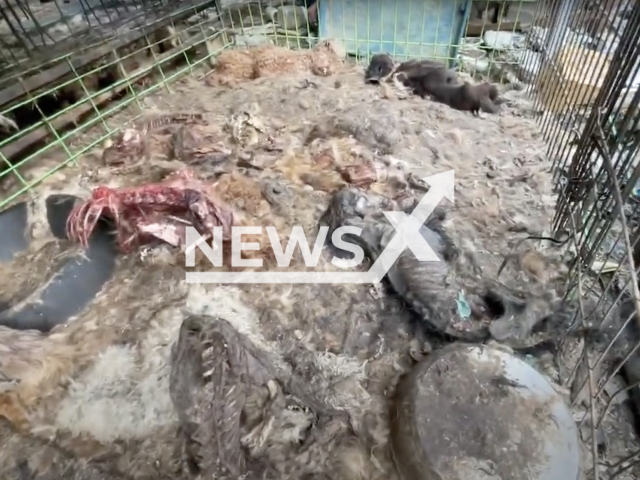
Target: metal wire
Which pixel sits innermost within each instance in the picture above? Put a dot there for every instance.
(39, 31)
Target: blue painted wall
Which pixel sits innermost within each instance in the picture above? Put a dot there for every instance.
(403, 28)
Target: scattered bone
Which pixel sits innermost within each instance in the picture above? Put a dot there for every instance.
(129, 147)
(212, 374)
(153, 210)
(360, 174)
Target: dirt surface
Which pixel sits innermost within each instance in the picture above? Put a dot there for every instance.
(104, 377)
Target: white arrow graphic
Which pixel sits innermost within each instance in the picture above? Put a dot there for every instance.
(408, 227)
(407, 235)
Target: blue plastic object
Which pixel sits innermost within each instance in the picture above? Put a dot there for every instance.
(427, 29)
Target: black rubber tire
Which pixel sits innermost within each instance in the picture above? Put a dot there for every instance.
(76, 283)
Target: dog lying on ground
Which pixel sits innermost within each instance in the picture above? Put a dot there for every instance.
(427, 78)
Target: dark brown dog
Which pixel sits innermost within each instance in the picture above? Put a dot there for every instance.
(422, 77)
(489, 90)
(467, 97)
(380, 67)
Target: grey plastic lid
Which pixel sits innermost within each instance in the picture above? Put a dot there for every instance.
(474, 412)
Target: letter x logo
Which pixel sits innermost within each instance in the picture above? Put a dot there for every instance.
(408, 226)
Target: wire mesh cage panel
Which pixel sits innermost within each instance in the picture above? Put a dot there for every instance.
(469, 33)
(435, 24)
(586, 95)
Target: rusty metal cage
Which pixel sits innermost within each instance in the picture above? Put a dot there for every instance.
(586, 93)
(52, 90)
(33, 33)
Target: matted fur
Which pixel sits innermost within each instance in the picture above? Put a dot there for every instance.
(232, 66)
